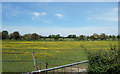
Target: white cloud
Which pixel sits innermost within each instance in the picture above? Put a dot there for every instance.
(111, 15)
(37, 14)
(59, 15)
(37, 17)
(43, 13)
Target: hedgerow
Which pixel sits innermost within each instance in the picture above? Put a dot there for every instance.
(103, 60)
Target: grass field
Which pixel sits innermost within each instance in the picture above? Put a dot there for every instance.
(17, 55)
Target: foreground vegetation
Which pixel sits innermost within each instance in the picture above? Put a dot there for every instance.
(17, 55)
(107, 61)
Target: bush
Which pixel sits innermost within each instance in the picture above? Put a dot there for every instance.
(103, 60)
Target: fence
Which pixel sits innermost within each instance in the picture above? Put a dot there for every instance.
(62, 69)
(69, 68)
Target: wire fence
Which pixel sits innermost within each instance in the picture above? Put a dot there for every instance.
(69, 68)
(73, 68)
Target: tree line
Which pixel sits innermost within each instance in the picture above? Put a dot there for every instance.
(4, 35)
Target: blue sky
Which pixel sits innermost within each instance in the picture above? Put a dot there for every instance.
(62, 18)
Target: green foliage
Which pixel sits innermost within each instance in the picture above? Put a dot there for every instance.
(16, 35)
(29, 37)
(34, 36)
(103, 60)
(72, 36)
(95, 36)
(118, 36)
(56, 37)
(4, 34)
(103, 36)
(0, 35)
(81, 37)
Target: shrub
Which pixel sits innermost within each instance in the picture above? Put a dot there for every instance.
(103, 60)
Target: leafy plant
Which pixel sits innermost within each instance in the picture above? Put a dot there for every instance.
(103, 60)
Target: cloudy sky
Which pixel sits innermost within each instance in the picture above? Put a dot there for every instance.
(62, 18)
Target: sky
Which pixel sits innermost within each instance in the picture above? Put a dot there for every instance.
(60, 0)
(62, 18)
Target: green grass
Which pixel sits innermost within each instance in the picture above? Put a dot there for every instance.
(54, 52)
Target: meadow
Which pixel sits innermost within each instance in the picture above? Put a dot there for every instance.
(17, 55)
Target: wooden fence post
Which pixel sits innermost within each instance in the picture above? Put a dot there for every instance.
(46, 67)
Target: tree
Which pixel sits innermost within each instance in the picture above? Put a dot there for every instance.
(4, 34)
(107, 37)
(57, 37)
(81, 37)
(103, 36)
(95, 36)
(39, 37)
(27, 37)
(16, 35)
(88, 37)
(63, 38)
(11, 36)
(72, 36)
(91, 37)
(50, 36)
(113, 37)
(34, 36)
(118, 36)
(69, 36)
(110, 36)
(0, 35)
(44, 37)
